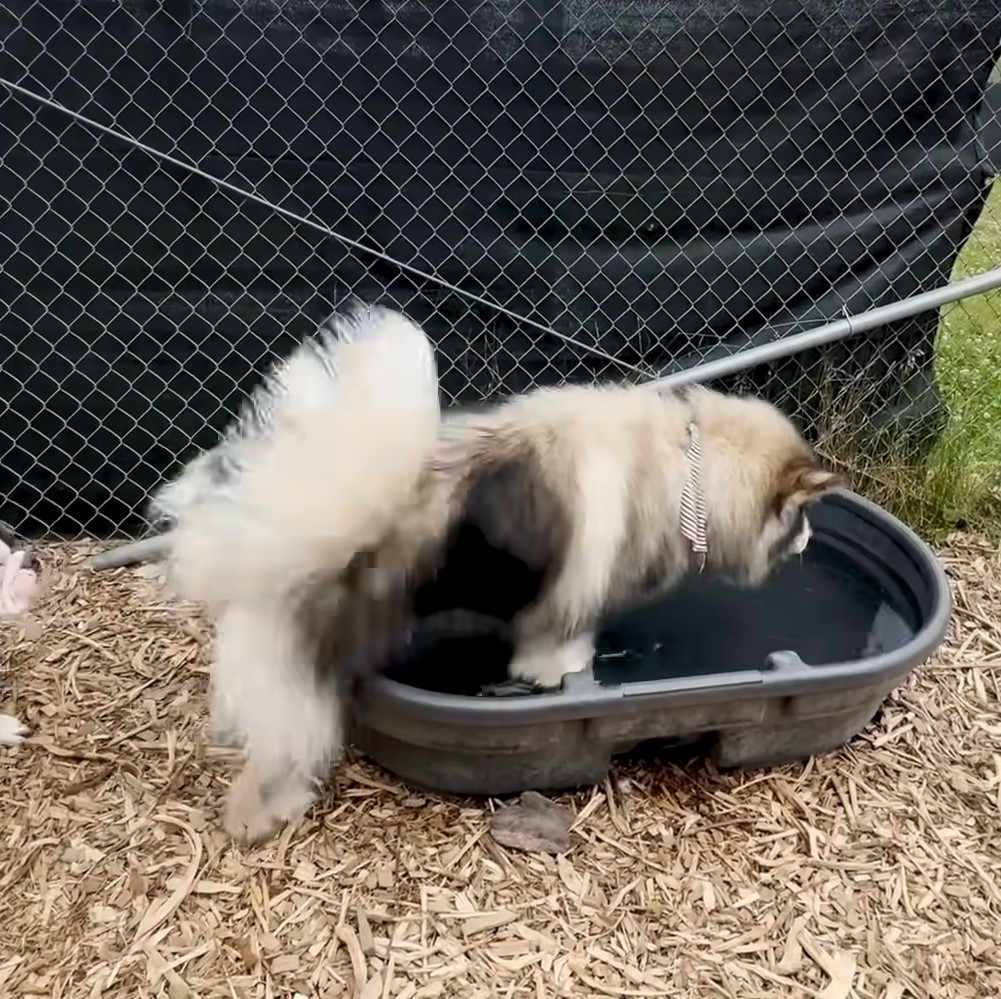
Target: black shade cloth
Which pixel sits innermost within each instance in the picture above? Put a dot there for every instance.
(661, 179)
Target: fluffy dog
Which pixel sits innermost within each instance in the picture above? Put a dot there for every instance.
(18, 587)
(342, 509)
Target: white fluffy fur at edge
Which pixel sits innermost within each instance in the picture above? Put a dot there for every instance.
(14, 600)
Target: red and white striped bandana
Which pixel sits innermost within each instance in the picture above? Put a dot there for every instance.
(693, 501)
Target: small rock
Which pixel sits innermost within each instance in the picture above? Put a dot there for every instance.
(534, 824)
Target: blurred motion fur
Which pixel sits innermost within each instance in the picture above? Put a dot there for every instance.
(343, 509)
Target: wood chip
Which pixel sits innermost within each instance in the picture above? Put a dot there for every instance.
(487, 921)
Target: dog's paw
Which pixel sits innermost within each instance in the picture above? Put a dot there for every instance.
(546, 665)
(253, 816)
(12, 732)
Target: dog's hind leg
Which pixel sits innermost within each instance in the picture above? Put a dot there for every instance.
(267, 694)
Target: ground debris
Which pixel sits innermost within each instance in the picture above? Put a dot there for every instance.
(533, 824)
(870, 873)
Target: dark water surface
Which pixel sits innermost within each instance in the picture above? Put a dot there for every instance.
(826, 607)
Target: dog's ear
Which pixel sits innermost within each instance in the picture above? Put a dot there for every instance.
(803, 480)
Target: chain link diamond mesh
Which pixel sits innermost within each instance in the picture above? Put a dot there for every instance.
(653, 182)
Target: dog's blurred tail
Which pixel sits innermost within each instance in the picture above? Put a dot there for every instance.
(324, 455)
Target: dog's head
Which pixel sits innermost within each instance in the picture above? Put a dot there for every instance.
(786, 529)
(762, 479)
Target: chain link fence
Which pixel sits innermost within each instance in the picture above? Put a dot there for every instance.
(560, 191)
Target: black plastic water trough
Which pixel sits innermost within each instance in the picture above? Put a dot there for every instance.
(765, 676)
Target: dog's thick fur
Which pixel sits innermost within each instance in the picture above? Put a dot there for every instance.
(350, 511)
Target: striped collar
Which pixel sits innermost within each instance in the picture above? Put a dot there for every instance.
(693, 501)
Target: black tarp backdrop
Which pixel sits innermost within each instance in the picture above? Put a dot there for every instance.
(661, 178)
